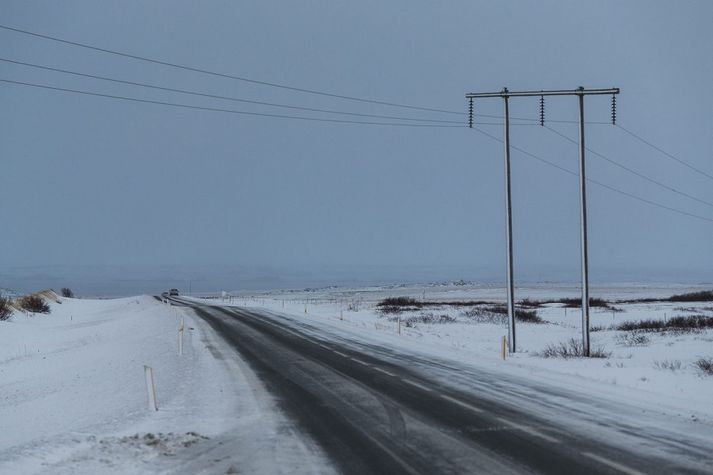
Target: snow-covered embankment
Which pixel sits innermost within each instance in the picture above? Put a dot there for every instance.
(73, 395)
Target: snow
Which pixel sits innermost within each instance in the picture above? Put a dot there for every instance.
(74, 396)
(637, 373)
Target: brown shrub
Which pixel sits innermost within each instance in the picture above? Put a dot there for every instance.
(34, 304)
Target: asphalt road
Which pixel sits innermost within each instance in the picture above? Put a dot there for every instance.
(376, 411)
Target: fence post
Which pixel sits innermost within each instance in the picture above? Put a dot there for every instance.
(150, 388)
(180, 338)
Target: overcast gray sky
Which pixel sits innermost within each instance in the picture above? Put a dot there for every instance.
(91, 182)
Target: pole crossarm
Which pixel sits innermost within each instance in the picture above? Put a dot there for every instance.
(556, 92)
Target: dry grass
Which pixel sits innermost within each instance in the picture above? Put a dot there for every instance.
(34, 304)
(633, 338)
(671, 365)
(5, 309)
(572, 349)
(702, 296)
(428, 318)
(690, 323)
(498, 314)
(705, 365)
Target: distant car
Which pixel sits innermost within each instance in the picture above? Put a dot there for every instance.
(173, 292)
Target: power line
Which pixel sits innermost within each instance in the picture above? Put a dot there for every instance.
(251, 101)
(537, 121)
(634, 172)
(315, 119)
(265, 83)
(230, 111)
(228, 98)
(611, 188)
(641, 139)
(229, 76)
(596, 122)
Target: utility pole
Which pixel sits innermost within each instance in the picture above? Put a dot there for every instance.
(508, 220)
(580, 92)
(583, 230)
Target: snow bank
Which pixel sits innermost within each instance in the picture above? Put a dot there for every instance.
(74, 396)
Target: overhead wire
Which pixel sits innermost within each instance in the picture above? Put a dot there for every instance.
(426, 122)
(590, 180)
(231, 111)
(556, 121)
(669, 155)
(228, 76)
(630, 170)
(316, 119)
(216, 96)
(261, 82)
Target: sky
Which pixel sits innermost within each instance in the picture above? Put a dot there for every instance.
(96, 191)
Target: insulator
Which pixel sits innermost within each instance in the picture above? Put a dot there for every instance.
(470, 113)
(613, 109)
(542, 110)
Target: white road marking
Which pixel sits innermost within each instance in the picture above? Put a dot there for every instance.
(461, 403)
(340, 353)
(360, 361)
(612, 464)
(529, 430)
(414, 383)
(384, 371)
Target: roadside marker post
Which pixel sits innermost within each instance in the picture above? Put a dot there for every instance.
(150, 388)
(504, 348)
(180, 338)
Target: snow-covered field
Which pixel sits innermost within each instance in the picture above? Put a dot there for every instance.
(73, 396)
(653, 367)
